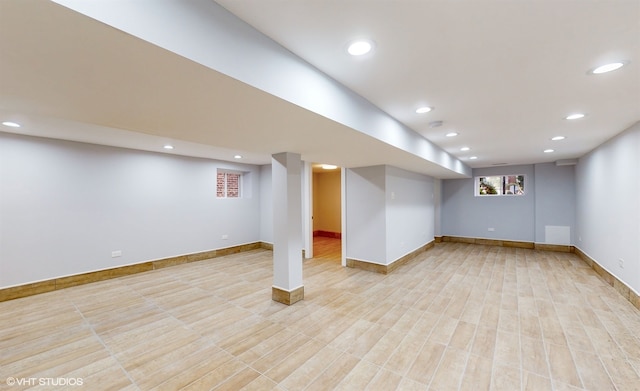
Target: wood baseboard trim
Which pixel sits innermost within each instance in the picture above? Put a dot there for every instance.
(328, 234)
(609, 278)
(561, 248)
(489, 242)
(54, 284)
(287, 297)
(386, 269)
(368, 266)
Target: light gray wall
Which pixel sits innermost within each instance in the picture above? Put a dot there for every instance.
(365, 214)
(409, 212)
(608, 206)
(266, 204)
(437, 199)
(465, 215)
(555, 200)
(65, 206)
(390, 213)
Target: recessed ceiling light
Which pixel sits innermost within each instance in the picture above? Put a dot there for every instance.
(359, 48)
(473, 158)
(464, 149)
(11, 124)
(424, 109)
(237, 157)
(328, 166)
(575, 116)
(452, 134)
(558, 138)
(548, 150)
(607, 67)
(168, 146)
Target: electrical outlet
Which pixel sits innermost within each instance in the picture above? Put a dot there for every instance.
(492, 229)
(225, 237)
(621, 263)
(116, 254)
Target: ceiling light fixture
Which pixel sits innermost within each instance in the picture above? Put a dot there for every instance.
(359, 48)
(607, 68)
(464, 149)
(452, 134)
(328, 166)
(548, 150)
(11, 124)
(473, 158)
(168, 146)
(558, 138)
(424, 109)
(574, 116)
(237, 157)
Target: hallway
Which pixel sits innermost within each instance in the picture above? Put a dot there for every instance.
(327, 248)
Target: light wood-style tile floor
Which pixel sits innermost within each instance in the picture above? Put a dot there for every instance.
(460, 317)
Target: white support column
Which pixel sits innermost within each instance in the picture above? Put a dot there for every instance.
(287, 228)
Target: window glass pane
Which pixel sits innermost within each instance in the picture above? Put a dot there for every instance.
(220, 185)
(490, 185)
(228, 184)
(233, 185)
(514, 184)
(499, 185)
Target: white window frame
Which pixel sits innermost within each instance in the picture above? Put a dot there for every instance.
(225, 192)
(501, 193)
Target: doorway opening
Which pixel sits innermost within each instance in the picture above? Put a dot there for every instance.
(327, 212)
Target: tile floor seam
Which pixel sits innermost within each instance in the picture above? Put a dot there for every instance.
(571, 350)
(519, 334)
(323, 371)
(546, 349)
(547, 281)
(97, 336)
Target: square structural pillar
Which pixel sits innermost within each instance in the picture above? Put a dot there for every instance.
(287, 228)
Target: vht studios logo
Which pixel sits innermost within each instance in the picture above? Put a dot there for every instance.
(44, 381)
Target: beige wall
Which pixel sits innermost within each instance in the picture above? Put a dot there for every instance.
(326, 201)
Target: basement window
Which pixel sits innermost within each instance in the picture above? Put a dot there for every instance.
(500, 185)
(229, 184)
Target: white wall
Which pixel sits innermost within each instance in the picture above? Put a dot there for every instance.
(390, 213)
(410, 212)
(65, 206)
(555, 198)
(608, 206)
(466, 215)
(437, 199)
(266, 205)
(365, 214)
(549, 201)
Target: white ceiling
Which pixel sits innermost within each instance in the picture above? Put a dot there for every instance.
(502, 74)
